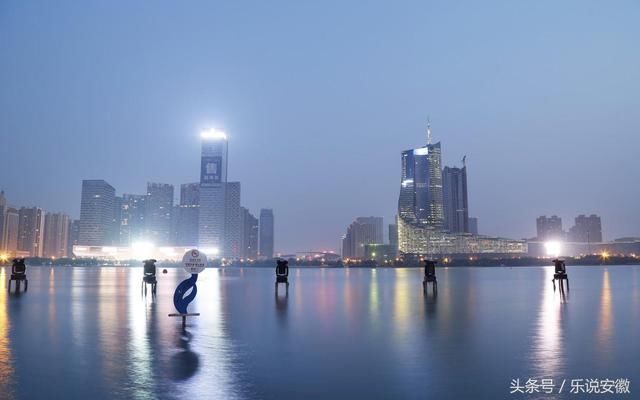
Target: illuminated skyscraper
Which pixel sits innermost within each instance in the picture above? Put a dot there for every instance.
(213, 180)
(420, 200)
(421, 227)
(132, 219)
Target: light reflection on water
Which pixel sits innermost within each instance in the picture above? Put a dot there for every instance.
(358, 333)
(549, 344)
(6, 361)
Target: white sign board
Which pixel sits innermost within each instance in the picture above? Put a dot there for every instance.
(194, 261)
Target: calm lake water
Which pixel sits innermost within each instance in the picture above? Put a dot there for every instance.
(88, 333)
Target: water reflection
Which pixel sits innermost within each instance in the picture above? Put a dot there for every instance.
(184, 363)
(485, 326)
(401, 302)
(548, 354)
(201, 362)
(142, 327)
(6, 362)
(282, 302)
(605, 318)
(374, 300)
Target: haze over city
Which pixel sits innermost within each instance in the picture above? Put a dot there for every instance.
(544, 106)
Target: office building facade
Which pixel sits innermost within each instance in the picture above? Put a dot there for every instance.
(213, 180)
(455, 198)
(421, 220)
(97, 214)
(233, 228)
(11, 230)
(266, 238)
(158, 211)
(188, 212)
(132, 219)
(473, 225)
(56, 235)
(250, 231)
(31, 231)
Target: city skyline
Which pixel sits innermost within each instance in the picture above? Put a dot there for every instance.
(527, 108)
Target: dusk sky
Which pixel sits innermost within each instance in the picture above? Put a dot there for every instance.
(319, 99)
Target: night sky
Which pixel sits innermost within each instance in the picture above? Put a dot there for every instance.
(319, 99)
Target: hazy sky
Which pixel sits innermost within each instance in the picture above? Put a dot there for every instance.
(319, 99)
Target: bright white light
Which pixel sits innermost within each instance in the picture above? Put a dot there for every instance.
(407, 182)
(142, 250)
(210, 251)
(553, 248)
(213, 134)
(422, 151)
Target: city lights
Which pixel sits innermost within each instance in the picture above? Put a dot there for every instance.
(553, 249)
(210, 251)
(142, 250)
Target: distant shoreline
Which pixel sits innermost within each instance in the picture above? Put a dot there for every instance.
(593, 260)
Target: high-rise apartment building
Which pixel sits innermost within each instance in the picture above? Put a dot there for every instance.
(11, 230)
(132, 219)
(587, 229)
(456, 203)
(266, 237)
(249, 235)
(549, 228)
(362, 231)
(187, 215)
(233, 228)
(56, 235)
(97, 214)
(213, 180)
(3, 212)
(31, 231)
(158, 210)
(74, 236)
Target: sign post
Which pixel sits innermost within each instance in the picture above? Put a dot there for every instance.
(194, 262)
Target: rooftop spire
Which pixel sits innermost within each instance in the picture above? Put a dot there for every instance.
(428, 130)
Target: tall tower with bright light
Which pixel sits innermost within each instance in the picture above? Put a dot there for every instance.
(213, 180)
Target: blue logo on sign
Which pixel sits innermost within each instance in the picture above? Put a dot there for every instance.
(180, 299)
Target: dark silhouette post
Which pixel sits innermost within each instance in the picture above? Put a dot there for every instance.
(560, 275)
(18, 274)
(149, 276)
(430, 276)
(282, 273)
